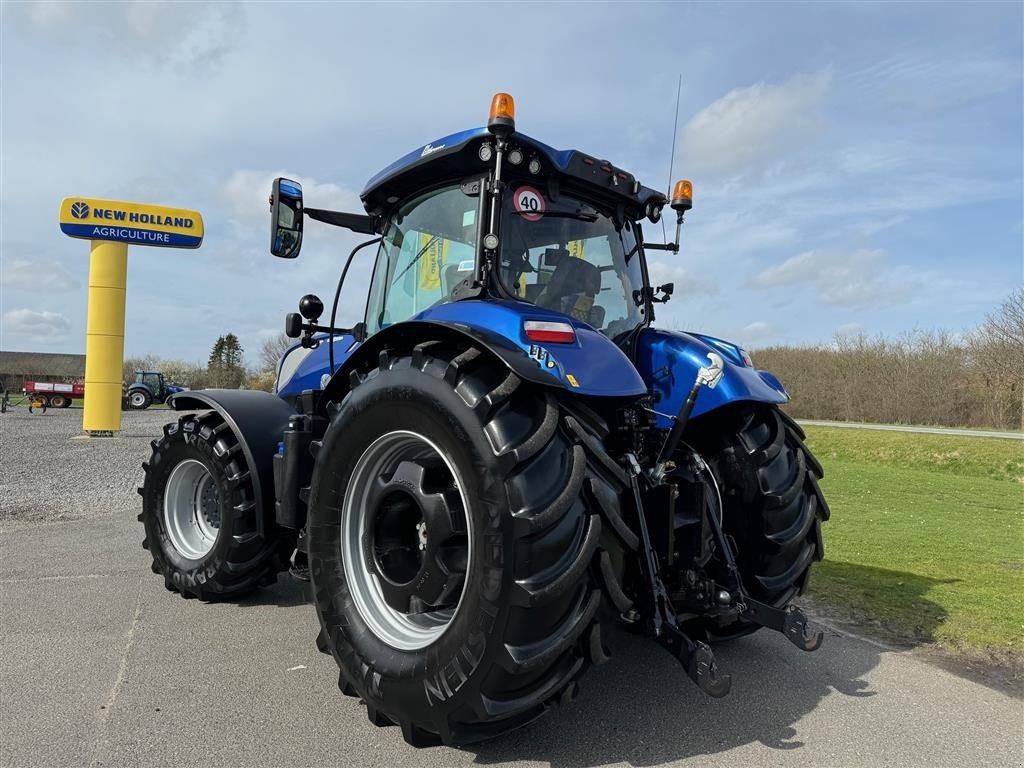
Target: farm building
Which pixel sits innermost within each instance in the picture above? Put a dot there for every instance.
(18, 367)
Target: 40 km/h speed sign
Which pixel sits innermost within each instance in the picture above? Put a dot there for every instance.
(529, 203)
(110, 225)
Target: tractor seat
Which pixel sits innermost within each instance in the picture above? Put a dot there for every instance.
(571, 278)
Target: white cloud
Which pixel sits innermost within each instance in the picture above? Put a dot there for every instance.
(40, 326)
(154, 32)
(755, 331)
(686, 282)
(749, 126)
(924, 84)
(842, 278)
(850, 329)
(37, 275)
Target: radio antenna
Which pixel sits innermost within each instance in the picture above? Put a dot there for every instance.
(672, 157)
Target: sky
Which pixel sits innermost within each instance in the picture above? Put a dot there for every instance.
(857, 168)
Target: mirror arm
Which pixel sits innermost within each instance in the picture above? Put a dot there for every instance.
(674, 246)
(358, 332)
(352, 221)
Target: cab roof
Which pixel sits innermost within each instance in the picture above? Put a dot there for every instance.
(455, 156)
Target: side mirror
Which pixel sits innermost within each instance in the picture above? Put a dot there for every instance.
(286, 218)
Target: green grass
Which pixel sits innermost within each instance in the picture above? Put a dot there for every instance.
(926, 540)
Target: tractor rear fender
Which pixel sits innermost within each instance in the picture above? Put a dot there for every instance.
(258, 420)
(592, 365)
(669, 361)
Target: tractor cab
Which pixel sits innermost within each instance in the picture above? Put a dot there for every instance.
(152, 380)
(516, 221)
(492, 215)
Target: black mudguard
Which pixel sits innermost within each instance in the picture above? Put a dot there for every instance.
(258, 419)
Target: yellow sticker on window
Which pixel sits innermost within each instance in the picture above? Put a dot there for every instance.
(431, 262)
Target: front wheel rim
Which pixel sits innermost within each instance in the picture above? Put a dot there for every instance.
(405, 566)
(191, 509)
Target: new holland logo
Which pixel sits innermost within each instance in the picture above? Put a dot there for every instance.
(80, 210)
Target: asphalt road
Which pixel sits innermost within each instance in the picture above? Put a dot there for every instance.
(100, 665)
(924, 430)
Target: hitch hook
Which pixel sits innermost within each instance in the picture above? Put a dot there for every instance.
(800, 631)
(791, 622)
(703, 670)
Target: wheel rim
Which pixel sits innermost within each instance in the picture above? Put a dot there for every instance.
(191, 509)
(405, 540)
(138, 399)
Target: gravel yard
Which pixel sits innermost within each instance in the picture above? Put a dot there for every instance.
(49, 471)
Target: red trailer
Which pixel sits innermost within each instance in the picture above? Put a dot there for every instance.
(51, 394)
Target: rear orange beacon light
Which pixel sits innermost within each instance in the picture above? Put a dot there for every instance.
(503, 113)
(682, 195)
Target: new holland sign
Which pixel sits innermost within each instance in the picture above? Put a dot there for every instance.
(136, 223)
(110, 227)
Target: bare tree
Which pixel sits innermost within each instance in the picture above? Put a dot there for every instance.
(919, 377)
(271, 351)
(1000, 348)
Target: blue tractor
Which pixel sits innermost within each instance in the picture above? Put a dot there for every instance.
(504, 456)
(149, 387)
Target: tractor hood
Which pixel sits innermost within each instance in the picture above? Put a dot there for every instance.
(669, 360)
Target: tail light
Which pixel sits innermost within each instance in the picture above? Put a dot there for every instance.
(549, 332)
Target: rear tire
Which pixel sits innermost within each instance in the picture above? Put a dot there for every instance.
(773, 506)
(139, 399)
(529, 479)
(199, 511)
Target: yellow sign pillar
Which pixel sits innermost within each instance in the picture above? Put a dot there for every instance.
(104, 339)
(110, 225)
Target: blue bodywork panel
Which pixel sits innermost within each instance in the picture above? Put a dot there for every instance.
(301, 369)
(666, 361)
(593, 361)
(669, 360)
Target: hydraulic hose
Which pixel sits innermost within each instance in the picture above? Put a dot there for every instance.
(337, 296)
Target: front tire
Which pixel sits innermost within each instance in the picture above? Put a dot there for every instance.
(199, 511)
(522, 485)
(773, 506)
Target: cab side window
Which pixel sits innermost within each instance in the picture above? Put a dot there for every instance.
(426, 251)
